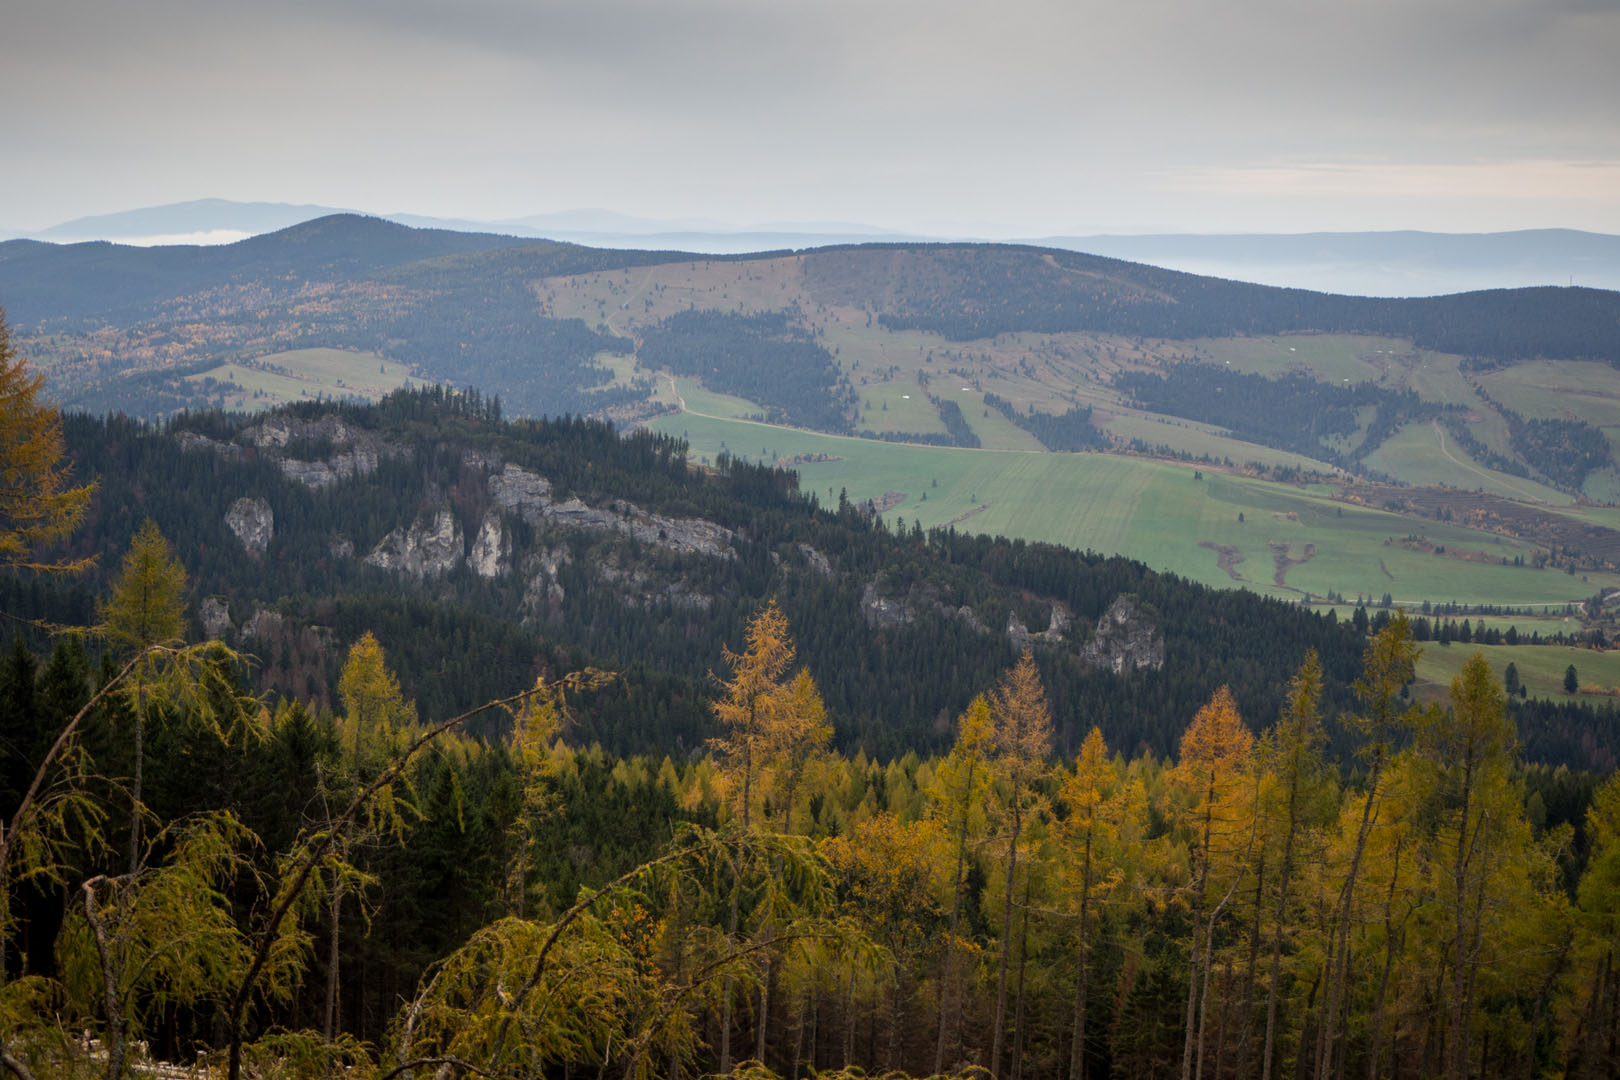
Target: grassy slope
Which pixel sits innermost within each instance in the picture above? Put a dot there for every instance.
(306, 374)
(1541, 667)
(1157, 512)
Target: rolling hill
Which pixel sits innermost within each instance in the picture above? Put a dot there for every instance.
(1258, 436)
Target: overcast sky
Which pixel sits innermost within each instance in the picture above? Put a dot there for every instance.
(1019, 117)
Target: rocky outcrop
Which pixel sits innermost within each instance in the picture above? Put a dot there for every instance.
(262, 625)
(190, 440)
(1127, 638)
(543, 595)
(643, 586)
(1057, 625)
(425, 549)
(529, 495)
(491, 548)
(818, 562)
(882, 610)
(216, 618)
(355, 452)
(253, 523)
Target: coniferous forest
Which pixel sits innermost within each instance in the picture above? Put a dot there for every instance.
(743, 786)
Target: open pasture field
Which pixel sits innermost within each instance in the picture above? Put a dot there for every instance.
(1541, 668)
(1219, 529)
(1328, 357)
(1558, 390)
(303, 375)
(1424, 453)
(894, 372)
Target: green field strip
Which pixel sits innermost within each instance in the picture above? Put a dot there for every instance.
(1541, 667)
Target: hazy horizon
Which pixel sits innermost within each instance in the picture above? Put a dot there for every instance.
(1041, 118)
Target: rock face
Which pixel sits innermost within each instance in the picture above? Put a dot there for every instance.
(425, 549)
(190, 440)
(1127, 639)
(529, 495)
(216, 618)
(356, 452)
(1056, 626)
(543, 596)
(883, 611)
(253, 523)
(491, 548)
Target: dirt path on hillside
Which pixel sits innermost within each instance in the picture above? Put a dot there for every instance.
(1498, 478)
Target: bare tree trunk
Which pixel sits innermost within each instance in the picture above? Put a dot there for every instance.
(725, 993)
(1006, 945)
(117, 1025)
(1456, 1035)
(135, 791)
(1375, 1040)
(1339, 953)
(1245, 1036)
(1077, 1052)
(947, 986)
(849, 1017)
(333, 958)
(1221, 1023)
(798, 1041)
(1274, 988)
(764, 1010)
(1018, 1010)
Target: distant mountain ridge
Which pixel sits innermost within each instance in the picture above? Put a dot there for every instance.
(468, 307)
(1377, 263)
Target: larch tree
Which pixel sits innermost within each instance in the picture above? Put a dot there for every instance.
(798, 740)
(372, 700)
(958, 794)
(146, 609)
(372, 703)
(1091, 792)
(1387, 666)
(1213, 778)
(769, 720)
(39, 504)
(1023, 738)
(753, 700)
(1293, 804)
(1472, 750)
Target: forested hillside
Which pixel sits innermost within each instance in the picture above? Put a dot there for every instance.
(368, 888)
(906, 625)
(398, 737)
(137, 328)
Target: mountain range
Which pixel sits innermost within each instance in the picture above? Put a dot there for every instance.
(1394, 263)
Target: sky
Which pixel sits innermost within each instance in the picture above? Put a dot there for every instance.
(1014, 118)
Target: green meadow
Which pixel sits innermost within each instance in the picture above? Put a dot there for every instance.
(1219, 529)
(305, 374)
(1541, 667)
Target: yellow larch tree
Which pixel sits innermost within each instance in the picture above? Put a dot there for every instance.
(1216, 806)
(38, 502)
(1022, 723)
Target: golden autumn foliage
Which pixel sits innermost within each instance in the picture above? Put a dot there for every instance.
(39, 505)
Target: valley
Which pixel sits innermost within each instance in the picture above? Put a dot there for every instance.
(1239, 436)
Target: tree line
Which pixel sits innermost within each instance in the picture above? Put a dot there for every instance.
(289, 890)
